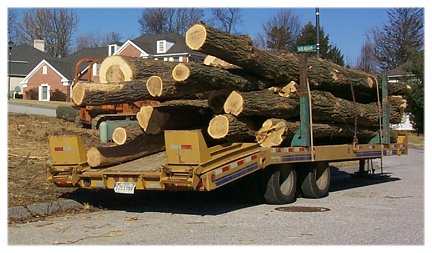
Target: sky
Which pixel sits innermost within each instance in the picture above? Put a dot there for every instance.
(346, 27)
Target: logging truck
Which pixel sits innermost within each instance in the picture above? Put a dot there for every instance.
(189, 163)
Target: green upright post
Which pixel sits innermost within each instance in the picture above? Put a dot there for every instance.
(384, 136)
(303, 136)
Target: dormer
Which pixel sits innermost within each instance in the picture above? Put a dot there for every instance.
(162, 46)
(112, 49)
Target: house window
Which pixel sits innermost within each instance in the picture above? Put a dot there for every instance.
(171, 59)
(112, 49)
(44, 92)
(165, 58)
(161, 46)
(44, 70)
(95, 69)
(180, 58)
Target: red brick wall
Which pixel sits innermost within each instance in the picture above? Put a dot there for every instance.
(38, 78)
(130, 51)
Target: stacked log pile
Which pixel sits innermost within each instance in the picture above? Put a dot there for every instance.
(239, 94)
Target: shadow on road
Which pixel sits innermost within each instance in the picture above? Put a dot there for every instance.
(223, 200)
(342, 180)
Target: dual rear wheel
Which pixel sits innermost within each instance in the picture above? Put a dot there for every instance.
(281, 182)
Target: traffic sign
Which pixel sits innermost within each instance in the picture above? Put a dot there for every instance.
(306, 49)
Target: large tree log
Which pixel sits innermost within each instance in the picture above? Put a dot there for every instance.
(325, 107)
(101, 94)
(193, 75)
(68, 113)
(322, 74)
(174, 115)
(164, 87)
(124, 134)
(142, 145)
(119, 69)
(230, 128)
(275, 132)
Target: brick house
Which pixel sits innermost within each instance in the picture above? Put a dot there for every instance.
(52, 79)
(22, 59)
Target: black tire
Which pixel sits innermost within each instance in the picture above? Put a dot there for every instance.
(251, 188)
(315, 180)
(280, 185)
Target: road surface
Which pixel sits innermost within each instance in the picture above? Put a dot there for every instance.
(47, 111)
(381, 211)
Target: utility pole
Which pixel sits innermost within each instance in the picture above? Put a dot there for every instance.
(317, 25)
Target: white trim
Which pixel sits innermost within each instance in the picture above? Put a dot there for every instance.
(127, 43)
(40, 92)
(35, 69)
(164, 46)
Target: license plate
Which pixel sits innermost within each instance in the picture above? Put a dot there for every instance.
(125, 187)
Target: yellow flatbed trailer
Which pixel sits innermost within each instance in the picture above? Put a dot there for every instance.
(188, 164)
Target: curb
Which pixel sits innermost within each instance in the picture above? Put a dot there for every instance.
(41, 209)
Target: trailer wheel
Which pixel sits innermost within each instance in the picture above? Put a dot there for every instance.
(315, 180)
(280, 185)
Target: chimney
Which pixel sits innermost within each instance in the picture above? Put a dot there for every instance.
(39, 44)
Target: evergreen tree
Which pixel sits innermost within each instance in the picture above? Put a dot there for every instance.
(327, 50)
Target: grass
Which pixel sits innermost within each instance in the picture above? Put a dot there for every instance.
(39, 103)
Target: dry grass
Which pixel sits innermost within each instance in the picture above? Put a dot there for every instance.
(28, 155)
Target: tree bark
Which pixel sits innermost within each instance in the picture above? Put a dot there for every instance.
(199, 75)
(325, 107)
(124, 134)
(283, 68)
(119, 69)
(230, 128)
(68, 113)
(174, 115)
(101, 94)
(142, 145)
(165, 88)
(239, 50)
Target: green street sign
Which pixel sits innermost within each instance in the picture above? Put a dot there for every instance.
(306, 49)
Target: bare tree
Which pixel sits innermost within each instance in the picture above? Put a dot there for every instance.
(95, 39)
(165, 20)
(366, 60)
(54, 26)
(226, 19)
(282, 30)
(13, 29)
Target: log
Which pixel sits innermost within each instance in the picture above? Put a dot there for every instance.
(119, 69)
(325, 107)
(101, 94)
(216, 100)
(275, 132)
(322, 74)
(230, 128)
(68, 113)
(218, 63)
(121, 135)
(164, 88)
(199, 75)
(174, 115)
(142, 145)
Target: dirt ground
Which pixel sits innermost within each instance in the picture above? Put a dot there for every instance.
(28, 155)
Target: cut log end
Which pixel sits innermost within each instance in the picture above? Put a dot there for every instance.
(196, 36)
(143, 116)
(218, 127)
(114, 74)
(119, 136)
(78, 93)
(115, 69)
(94, 158)
(180, 72)
(234, 104)
(154, 86)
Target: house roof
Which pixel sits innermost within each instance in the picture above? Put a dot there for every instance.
(69, 69)
(25, 58)
(148, 43)
(400, 70)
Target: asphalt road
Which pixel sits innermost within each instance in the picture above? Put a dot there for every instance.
(380, 211)
(47, 111)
